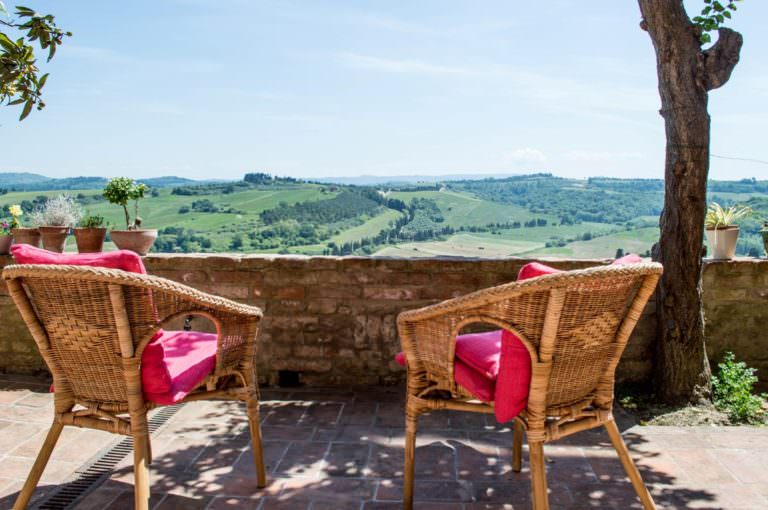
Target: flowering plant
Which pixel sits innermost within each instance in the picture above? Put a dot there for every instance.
(5, 228)
(16, 213)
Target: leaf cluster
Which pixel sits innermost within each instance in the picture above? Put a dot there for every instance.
(719, 216)
(733, 388)
(120, 191)
(713, 16)
(92, 221)
(20, 81)
(62, 210)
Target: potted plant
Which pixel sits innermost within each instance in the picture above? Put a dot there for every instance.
(55, 218)
(721, 228)
(6, 238)
(90, 235)
(21, 234)
(764, 234)
(120, 191)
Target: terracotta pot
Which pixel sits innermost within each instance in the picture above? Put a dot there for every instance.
(90, 240)
(25, 235)
(54, 237)
(139, 241)
(5, 244)
(723, 241)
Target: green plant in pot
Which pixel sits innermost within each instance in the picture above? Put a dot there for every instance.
(90, 234)
(121, 191)
(6, 238)
(55, 219)
(22, 234)
(722, 231)
(764, 234)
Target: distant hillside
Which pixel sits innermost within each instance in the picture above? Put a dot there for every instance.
(374, 180)
(20, 179)
(525, 215)
(23, 181)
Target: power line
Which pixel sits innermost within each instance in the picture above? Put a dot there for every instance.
(762, 162)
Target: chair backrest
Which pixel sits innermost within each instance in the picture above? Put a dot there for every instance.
(75, 315)
(588, 320)
(575, 325)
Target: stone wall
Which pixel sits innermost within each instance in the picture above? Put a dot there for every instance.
(332, 320)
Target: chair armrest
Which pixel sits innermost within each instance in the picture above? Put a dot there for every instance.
(236, 323)
(428, 334)
(151, 300)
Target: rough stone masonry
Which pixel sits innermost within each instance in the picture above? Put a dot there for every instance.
(331, 320)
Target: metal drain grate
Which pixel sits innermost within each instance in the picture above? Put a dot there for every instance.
(96, 471)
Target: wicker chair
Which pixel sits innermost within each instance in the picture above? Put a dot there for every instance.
(575, 326)
(91, 326)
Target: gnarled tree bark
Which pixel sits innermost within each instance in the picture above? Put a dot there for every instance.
(686, 74)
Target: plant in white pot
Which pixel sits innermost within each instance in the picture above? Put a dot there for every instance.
(120, 191)
(722, 231)
(55, 219)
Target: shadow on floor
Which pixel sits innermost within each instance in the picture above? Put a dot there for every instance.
(345, 450)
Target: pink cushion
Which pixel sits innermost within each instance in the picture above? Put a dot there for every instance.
(480, 351)
(630, 258)
(477, 384)
(477, 362)
(514, 376)
(534, 269)
(467, 377)
(121, 259)
(176, 363)
(514, 380)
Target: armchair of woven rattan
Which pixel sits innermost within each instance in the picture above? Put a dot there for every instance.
(91, 326)
(575, 326)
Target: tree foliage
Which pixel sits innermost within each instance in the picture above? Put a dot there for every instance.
(712, 17)
(120, 191)
(20, 79)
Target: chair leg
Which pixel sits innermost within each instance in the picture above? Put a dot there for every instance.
(538, 476)
(517, 446)
(38, 467)
(252, 406)
(141, 467)
(410, 458)
(629, 465)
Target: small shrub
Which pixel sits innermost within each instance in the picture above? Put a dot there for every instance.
(734, 391)
(92, 221)
(62, 210)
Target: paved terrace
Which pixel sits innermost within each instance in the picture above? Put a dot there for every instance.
(342, 449)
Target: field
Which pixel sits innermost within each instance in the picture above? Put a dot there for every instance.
(525, 216)
(525, 242)
(163, 211)
(463, 209)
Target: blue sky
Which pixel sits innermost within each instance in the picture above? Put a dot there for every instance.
(212, 89)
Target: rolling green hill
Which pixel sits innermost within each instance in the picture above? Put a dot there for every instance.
(532, 216)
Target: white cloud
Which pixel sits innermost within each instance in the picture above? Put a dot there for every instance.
(526, 155)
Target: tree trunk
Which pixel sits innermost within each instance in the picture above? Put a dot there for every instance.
(686, 74)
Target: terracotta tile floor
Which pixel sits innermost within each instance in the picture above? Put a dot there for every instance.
(340, 450)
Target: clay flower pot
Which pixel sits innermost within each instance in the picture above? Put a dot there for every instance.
(90, 240)
(5, 244)
(139, 241)
(24, 235)
(54, 237)
(723, 241)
